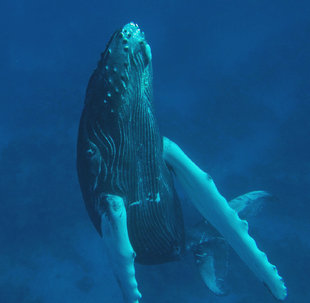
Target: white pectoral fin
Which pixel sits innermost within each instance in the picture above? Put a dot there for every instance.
(214, 207)
(211, 258)
(120, 251)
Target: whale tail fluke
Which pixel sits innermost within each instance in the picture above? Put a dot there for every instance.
(250, 204)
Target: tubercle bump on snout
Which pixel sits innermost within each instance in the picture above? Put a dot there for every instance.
(125, 43)
(127, 49)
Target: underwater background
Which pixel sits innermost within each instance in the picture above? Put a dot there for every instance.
(231, 87)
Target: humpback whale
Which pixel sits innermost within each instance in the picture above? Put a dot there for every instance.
(125, 170)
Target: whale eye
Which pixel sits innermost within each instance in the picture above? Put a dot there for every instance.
(90, 153)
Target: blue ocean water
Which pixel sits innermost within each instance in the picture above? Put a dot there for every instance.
(231, 87)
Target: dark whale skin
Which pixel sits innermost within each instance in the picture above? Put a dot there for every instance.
(119, 150)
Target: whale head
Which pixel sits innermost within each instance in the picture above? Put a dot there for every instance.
(124, 71)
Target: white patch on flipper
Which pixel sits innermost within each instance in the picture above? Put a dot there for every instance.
(214, 207)
(120, 251)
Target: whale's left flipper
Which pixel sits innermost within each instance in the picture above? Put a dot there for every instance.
(211, 258)
(214, 208)
(120, 251)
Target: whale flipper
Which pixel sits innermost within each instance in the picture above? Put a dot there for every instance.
(214, 208)
(120, 251)
(211, 251)
(211, 258)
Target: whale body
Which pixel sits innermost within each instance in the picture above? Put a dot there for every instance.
(125, 172)
(120, 150)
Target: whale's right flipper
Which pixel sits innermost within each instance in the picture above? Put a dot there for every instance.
(214, 208)
(120, 251)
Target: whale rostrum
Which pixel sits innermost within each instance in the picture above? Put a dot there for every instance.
(125, 169)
